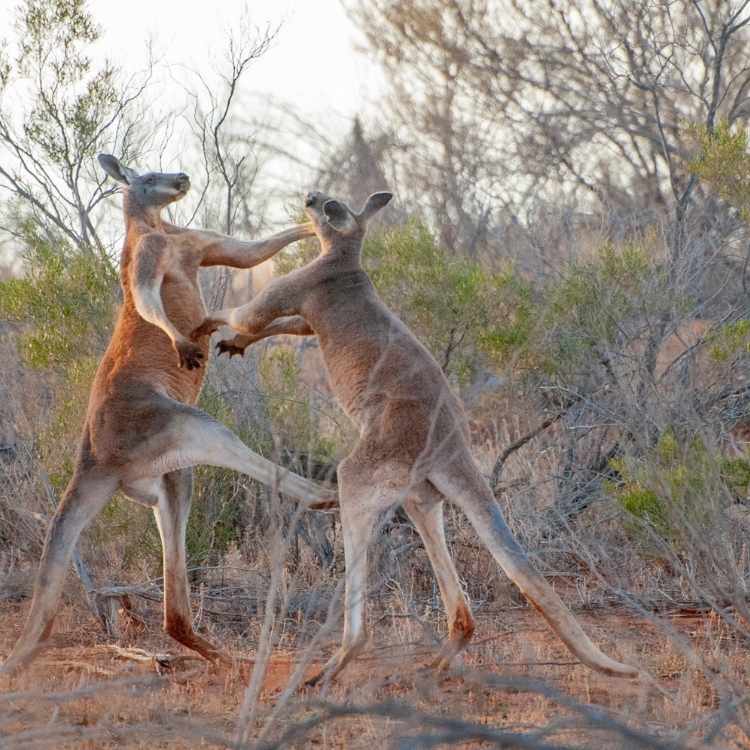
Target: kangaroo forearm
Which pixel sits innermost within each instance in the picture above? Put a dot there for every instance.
(294, 325)
(227, 251)
(249, 319)
(149, 306)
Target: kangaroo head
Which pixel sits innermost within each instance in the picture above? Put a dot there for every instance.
(334, 221)
(152, 190)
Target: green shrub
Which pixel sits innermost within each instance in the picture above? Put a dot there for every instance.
(294, 420)
(736, 473)
(462, 311)
(723, 163)
(729, 340)
(596, 305)
(672, 494)
(66, 300)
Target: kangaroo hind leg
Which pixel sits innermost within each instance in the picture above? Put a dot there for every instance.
(87, 493)
(425, 508)
(363, 499)
(171, 513)
(189, 437)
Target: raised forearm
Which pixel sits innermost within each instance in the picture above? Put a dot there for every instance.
(146, 282)
(294, 325)
(228, 251)
(147, 298)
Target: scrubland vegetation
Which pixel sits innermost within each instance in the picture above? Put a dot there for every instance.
(570, 240)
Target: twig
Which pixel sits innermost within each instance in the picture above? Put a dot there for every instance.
(497, 470)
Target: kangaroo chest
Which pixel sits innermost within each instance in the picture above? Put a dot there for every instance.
(183, 301)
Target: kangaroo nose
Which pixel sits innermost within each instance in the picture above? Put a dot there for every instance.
(182, 181)
(310, 199)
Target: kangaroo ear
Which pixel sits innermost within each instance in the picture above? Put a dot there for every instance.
(116, 170)
(339, 216)
(373, 204)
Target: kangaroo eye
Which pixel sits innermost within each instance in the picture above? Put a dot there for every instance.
(151, 181)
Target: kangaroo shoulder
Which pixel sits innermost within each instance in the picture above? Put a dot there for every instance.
(152, 243)
(151, 253)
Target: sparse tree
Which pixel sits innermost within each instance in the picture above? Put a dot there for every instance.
(229, 161)
(588, 95)
(65, 110)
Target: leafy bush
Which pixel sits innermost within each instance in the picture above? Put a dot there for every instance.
(672, 494)
(596, 306)
(462, 311)
(294, 420)
(730, 340)
(66, 300)
(723, 163)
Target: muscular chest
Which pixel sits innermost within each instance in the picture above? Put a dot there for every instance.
(183, 301)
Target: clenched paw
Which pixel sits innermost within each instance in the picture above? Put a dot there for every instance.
(190, 354)
(228, 346)
(206, 328)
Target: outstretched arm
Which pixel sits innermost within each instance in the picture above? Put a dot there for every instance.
(278, 299)
(220, 250)
(147, 276)
(294, 325)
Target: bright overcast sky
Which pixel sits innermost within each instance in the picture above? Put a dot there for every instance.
(313, 62)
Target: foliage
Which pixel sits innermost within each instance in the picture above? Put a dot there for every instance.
(460, 309)
(66, 302)
(67, 109)
(723, 163)
(294, 420)
(730, 340)
(55, 35)
(595, 306)
(673, 491)
(736, 473)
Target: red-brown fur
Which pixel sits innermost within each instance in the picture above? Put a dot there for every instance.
(141, 432)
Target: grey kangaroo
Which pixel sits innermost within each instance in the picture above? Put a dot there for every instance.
(142, 432)
(413, 443)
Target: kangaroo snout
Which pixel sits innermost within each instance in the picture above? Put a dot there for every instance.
(182, 182)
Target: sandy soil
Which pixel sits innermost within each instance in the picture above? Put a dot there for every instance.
(181, 702)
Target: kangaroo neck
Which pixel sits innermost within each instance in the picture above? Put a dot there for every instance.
(139, 218)
(344, 255)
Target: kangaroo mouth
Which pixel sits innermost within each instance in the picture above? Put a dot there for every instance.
(182, 186)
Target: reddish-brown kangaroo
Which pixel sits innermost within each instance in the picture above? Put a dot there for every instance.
(142, 432)
(413, 444)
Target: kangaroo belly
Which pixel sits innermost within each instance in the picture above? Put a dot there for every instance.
(183, 303)
(139, 364)
(399, 400)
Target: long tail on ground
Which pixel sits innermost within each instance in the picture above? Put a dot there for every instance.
(471, 492)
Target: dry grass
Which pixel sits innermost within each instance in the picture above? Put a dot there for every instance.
(81, 693)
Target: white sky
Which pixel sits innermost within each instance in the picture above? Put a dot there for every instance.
(313, 61)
